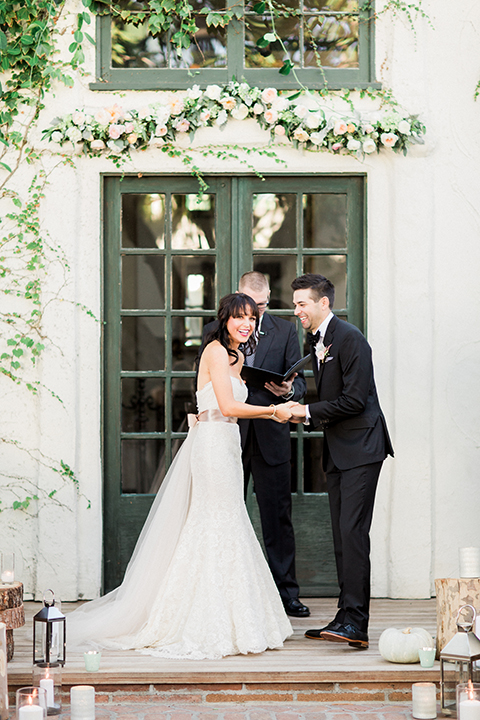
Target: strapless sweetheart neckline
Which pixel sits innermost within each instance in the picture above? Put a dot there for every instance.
(210, 382)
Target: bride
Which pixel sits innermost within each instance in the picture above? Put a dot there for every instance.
(197, 585)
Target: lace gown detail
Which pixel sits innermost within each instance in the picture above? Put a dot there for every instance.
(211, 592)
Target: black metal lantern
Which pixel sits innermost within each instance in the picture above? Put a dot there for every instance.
(458, 657)
(49, 633)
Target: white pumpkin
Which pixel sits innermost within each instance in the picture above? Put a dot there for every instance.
(401, 646)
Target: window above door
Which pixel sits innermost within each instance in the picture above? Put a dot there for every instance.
(338, 34)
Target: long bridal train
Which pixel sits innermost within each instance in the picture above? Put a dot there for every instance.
(197, 585)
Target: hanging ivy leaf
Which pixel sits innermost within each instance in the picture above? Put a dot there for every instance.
(259, 8)
(286, 67)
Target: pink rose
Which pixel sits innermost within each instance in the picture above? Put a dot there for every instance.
(182, 126)
(129, 127)
(205, 116)
(337, 146)
(340, 127)
(388, 139)
(132, 138)
(269, 95)
(176, 105)
(116, 112)
(160, 130)
(115, 131)
(102, 117)
(271, 116)
(279, 130)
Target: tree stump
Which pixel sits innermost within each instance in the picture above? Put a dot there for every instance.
(11, 611)
(452, 593)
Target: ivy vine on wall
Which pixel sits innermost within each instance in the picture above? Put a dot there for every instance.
(32, 65)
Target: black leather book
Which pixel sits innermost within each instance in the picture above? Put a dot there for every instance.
(257, 377)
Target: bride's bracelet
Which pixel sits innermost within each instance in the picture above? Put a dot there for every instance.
(274, 410)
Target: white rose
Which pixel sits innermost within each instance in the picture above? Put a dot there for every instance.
(74, 134)
(280, 104)
(317, 138)
(340, 127)
(160, 130)
(367, 129)
(102, 117)
(162, 115)
(404, 127)
(279, 130)
(369, 146)
(144, 113)
(78, 118)
(301, 135)
(97, 145)
(194, 92)
(213, 92)
(257, 108)
(57, 136)
(205, 116)
(156, 141)
(222, 118)
(313, 120)
(354, 144)
(300, 111)
(240, 112)
(388, 139)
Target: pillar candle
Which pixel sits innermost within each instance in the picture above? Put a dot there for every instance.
(469, 710)
(469, 558)
(82, 702)
(424, 701)
(30, 712)
(47, 685)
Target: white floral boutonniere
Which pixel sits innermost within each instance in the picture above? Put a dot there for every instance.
(322, 352)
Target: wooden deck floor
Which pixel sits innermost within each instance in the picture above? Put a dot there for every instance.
(300, 661)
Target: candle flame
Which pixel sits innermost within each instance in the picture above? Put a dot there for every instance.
(470, 690)
(30, 701)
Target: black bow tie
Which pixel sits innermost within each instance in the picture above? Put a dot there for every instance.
(313, 339)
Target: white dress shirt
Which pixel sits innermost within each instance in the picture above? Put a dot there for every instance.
(323, 329)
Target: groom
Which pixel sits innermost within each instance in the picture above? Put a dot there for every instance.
(356, 442)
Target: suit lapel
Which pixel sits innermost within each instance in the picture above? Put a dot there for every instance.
(264, 340)
(327, 340)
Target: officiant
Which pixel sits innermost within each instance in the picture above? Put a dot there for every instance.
(266, 447)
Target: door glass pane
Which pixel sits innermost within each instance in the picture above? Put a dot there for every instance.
(183, 402)
(334, 267)
(143, 343)
(143, 282)
(280, 270)
(193, 222)
(193, 282)
(143, 221)
(334, 39)
(134, 45)
(336, 5)
(143, 465)
(314, 476)
(273, 221)
(143, 405)
(325, 220)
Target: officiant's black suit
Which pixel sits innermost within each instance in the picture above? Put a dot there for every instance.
(356, 442)
(266, 451)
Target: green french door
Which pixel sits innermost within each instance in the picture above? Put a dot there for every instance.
(170, 254)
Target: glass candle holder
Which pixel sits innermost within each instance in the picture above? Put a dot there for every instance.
(426, 656)
(31, 703)
(92, 660)
(49, 677)
(468, 701)
(7, 568)
(424, 701)
(82, 702)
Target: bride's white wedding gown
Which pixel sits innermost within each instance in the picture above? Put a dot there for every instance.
(198, 585)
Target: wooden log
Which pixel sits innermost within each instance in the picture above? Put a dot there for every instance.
(451, 594)
(11, 612)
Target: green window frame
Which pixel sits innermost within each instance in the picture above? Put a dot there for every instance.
(114, 78)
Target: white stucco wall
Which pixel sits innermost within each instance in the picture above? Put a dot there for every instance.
(423, 301)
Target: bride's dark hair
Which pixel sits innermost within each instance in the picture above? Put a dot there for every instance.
(234, 305)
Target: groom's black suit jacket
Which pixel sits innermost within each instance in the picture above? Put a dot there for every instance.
(348, 410)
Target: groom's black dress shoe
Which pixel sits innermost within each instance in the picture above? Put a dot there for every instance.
(349, 634)
(295, 608)
(317, 634)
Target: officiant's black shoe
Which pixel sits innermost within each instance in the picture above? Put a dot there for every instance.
(295, 608)
(349, 634)
(317, 634)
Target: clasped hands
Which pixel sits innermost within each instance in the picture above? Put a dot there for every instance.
(289, 412)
